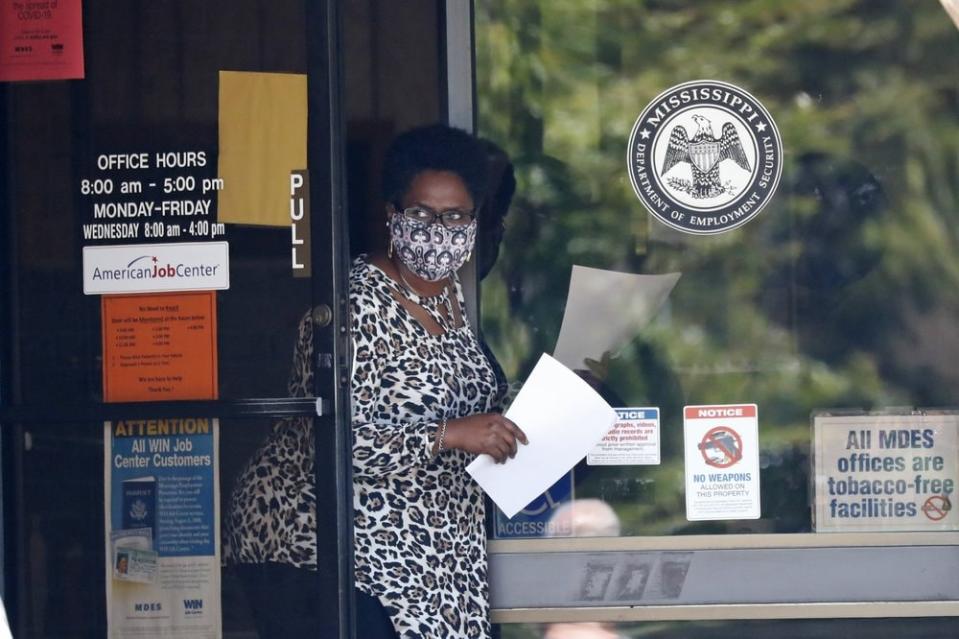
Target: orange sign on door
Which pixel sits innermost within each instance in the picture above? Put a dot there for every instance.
(159, 347)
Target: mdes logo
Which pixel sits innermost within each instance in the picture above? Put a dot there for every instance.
(140, 607)
(154, 268)
(705, 157)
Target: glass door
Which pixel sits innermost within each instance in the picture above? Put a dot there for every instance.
(734, 220)
(173, 311)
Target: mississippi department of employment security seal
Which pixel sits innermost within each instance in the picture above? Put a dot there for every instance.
(705, 157)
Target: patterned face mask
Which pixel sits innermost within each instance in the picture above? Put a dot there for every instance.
(431, 251)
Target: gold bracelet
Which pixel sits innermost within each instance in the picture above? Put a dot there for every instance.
(442, 436)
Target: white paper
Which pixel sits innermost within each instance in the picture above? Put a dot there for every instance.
(4, 626)
(605, 310)
(563, 418)
(952, 8)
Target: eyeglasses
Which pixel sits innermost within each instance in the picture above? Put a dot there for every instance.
(451, 219)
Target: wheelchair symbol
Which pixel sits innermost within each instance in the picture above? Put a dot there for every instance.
(541, 504)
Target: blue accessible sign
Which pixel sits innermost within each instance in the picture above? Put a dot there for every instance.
(535, 519)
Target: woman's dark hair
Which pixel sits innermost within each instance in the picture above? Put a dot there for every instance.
(435, 147)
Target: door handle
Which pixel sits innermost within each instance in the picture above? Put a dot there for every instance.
(322, 407)
(322, 315)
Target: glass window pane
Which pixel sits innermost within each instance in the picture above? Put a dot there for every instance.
(151, 90)
(135, 153)
(61, 530)
(838, 295)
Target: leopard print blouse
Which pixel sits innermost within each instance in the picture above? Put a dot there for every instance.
(419, 537)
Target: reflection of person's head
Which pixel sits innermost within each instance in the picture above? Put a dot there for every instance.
(580, 630)
(499, 194)
(846, 197)
(584, 518)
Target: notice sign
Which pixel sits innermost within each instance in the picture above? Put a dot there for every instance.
(162, 521)
(41, 40)
(886, 472)
(632, 441)
(722, 462)
(159, 347)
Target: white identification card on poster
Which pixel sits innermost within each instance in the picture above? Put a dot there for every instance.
(886, 472)
(632, 441)
(722, 462)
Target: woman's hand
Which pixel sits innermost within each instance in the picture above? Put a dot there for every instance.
(488, 433)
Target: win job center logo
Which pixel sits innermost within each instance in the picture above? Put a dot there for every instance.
(705, 157)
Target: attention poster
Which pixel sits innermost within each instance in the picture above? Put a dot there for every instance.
(162, 521)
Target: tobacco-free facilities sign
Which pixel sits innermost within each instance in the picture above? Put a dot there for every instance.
(886, 472)
(722, 462)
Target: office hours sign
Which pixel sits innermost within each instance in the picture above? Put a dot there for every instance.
(886, 472)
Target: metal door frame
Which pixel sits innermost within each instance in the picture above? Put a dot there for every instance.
(326, 159)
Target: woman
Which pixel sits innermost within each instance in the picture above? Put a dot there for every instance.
(424, 398)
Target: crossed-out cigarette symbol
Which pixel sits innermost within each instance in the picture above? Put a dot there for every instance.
(937, 507)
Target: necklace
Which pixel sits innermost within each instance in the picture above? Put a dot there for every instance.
(434, 300)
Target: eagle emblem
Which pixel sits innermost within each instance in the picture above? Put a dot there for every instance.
(138, 510)
(710, 195)
(704, 152)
